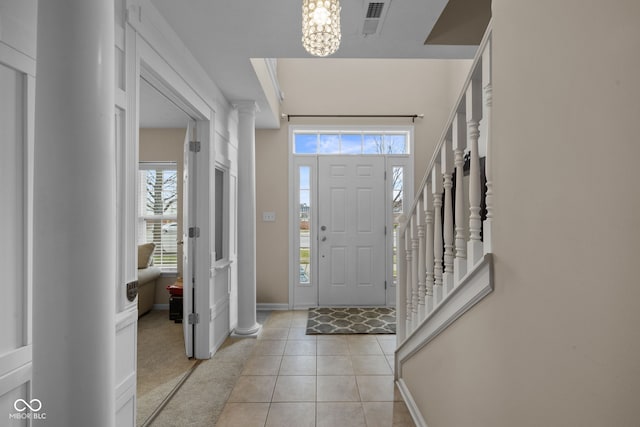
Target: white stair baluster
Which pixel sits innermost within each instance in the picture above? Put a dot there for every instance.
(401, 307)
(486, 117)
(428, 213)
(421, 259)
(414, 269)
(446, 160)
(436, 190)
(474, 114)
(409, 281)
(459, 142)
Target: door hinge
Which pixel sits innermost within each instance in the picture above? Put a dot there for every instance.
(194, 318)
(385, 175)
(385, 284)
(194, 146)
(385, 230)
(194, 232)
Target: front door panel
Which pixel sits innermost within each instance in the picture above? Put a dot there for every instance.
(351, 230)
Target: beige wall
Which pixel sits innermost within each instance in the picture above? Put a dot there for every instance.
(165, 145)
(343, 86)
(558, 342)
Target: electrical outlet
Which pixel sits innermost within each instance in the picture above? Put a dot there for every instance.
(268, 216)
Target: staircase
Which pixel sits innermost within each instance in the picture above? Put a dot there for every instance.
(444, 240)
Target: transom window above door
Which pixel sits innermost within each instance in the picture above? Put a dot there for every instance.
(351, 142)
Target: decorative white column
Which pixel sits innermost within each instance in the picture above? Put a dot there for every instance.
(247, 325)
(74, 259)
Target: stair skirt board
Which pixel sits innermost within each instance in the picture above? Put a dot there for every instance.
(418, 419)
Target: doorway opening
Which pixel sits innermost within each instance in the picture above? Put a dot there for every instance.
(165, 342)
(347, 190)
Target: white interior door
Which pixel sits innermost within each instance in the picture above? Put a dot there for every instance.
(351, 230)
(188, 247)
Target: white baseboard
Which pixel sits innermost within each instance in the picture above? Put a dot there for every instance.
(418, 419)
(272, 307)
(161, 306)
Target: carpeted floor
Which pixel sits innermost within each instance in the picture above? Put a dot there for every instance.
(201, 398)
(162, 362)
(351, 320)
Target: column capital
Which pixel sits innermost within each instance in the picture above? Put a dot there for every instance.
(246, 107)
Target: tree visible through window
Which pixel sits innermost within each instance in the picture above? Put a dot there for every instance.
(158, 218)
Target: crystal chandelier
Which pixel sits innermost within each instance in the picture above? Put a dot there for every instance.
(321, 26)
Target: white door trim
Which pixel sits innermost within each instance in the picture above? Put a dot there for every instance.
(154, 69)
(16, 366)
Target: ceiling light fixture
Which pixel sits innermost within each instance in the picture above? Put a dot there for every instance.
(321, 26)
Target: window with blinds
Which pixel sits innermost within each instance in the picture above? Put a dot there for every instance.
(158, 211)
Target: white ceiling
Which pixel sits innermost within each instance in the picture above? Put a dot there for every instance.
(224, 34)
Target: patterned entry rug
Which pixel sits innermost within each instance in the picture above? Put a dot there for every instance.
(351, 320)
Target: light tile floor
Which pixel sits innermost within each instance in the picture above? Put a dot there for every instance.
(299, 380)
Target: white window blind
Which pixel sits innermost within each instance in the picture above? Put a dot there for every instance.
(158, 211)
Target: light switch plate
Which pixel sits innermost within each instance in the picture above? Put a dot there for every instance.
(268, 216)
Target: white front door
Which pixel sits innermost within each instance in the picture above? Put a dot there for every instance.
(351, 230)
(188, 255)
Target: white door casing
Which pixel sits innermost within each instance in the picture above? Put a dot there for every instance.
(17, 103)
(351, 230)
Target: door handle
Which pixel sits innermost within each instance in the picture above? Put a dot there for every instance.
(323, 227)
(323, 238)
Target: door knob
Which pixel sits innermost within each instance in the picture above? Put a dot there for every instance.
(324, 238)
(323, 227)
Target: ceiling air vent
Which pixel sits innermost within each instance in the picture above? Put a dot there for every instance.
(374, 15)
(375, 10)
